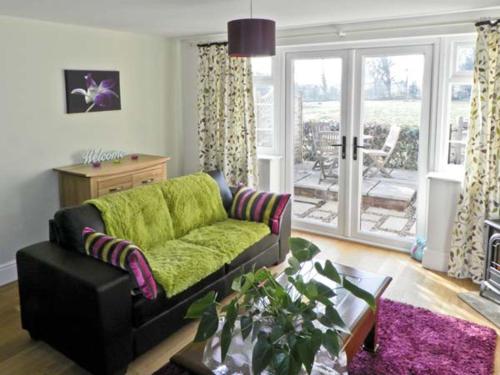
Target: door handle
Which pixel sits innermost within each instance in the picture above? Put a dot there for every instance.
(355, 147)
(343, 145)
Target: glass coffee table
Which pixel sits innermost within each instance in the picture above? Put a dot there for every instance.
(357, 315)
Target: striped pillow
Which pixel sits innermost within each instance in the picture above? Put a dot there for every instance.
(123, 254)
(262, 207)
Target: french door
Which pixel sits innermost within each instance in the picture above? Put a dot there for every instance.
(356, 141)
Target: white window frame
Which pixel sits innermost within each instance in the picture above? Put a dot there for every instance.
(448, 76)
(273, 80)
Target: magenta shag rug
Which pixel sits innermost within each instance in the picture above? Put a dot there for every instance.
(416, 341)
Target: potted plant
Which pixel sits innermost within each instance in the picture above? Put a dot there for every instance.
(283, 323)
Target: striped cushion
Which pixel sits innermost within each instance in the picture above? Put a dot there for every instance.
(123, 254)
(262, 207)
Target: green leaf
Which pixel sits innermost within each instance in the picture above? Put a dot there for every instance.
(199, 306)
(331, 342)
(323, 290)
(208, 324)
(256, 329)
(294, 266)
(333, 315)
(262, 354)
(246, 323)
(307, 348)
(360, 293)
(302, 249)
(328, 271)
(236, 284)
(332, 319)
(228, 328)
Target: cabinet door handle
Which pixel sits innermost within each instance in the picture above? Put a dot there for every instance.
(148, 181)
(115, 189)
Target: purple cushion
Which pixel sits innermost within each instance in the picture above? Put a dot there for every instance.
(123, 254)
(262, 207)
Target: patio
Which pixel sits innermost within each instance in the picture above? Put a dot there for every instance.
(388, 203)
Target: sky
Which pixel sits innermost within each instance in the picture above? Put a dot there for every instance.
(309, 71)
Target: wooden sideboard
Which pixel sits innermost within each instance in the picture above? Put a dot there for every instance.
(80, 182)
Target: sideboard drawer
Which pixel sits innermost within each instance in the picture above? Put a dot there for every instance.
(113, 185)
(80, 182)
(149, 176)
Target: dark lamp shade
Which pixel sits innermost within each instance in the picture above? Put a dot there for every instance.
(250, 37)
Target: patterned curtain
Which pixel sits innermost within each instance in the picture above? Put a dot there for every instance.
(480, 198)
(226, 120)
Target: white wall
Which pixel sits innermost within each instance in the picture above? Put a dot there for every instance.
(36, 134)
(190, 154)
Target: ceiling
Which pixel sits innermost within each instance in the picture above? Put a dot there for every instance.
(195, 17)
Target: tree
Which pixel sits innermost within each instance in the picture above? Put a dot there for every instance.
(380, 69)
(324, 85)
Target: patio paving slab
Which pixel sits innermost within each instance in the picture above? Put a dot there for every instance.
(367, 226)
(392, 191)
(384, 212)
(370, 217)
(300, 208)
(394, 224)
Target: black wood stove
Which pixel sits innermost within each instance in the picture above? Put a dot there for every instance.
(490, 287)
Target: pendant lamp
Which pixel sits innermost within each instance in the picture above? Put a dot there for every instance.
(249, 37)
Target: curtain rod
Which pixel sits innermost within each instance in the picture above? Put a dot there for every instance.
(488, 22)
(211, 44)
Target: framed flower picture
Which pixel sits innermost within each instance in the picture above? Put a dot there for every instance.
(92, 90)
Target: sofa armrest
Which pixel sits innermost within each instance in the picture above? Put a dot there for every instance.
(79, 305)
(285, 230)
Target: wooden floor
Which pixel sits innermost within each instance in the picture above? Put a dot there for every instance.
(412, 284)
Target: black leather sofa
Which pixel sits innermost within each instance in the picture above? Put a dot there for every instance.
(83, 307)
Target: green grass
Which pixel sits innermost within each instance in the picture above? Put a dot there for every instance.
(392, 112)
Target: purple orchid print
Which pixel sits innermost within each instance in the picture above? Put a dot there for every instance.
(100, 95)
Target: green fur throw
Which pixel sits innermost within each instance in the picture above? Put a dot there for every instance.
(139, 215)
(193, 201)
(177, 265)
(181, 226)
(229, 237)
(181, 263)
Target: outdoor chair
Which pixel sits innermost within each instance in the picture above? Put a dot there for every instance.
(328, 155)
(317, 130)
(379, 158)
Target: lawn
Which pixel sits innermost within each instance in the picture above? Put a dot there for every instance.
(393, 112)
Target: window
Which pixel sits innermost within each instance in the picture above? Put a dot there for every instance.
(264, 97)
(458, 95)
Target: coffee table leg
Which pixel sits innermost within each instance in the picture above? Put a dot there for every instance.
(370, 344)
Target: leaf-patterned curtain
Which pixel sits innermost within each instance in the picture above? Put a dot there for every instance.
(226, 120)
(480, 198)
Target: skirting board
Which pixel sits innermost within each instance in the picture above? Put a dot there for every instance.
(8, 272)
(436, 260)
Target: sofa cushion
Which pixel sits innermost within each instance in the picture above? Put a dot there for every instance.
(225, 192)
(253, 251)
(193, 201)
(229, 237)
(264, 207)
(122, 254)
(178, 265)
(144, 309)
(139, 215)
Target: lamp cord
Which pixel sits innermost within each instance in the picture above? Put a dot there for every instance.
(251, 8)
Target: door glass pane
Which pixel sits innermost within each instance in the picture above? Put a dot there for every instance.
(316, 128)
(390, 120)
(458, 119)
(264, 113)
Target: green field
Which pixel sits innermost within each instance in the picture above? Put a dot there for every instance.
(394, 112)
